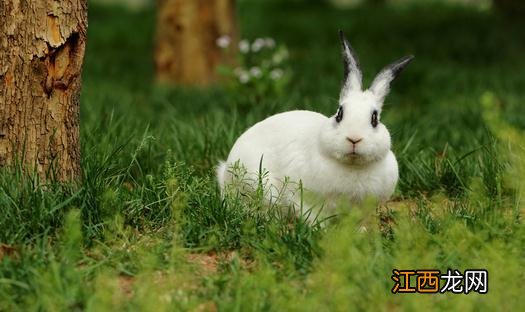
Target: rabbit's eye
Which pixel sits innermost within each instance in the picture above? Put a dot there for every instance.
(374, 119)
(339, 115)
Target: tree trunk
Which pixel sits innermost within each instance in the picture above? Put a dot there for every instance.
(42, 49)
(187, 32)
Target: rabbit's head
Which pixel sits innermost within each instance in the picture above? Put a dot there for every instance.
(355, 134)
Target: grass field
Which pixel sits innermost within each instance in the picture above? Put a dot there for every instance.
(149, 231)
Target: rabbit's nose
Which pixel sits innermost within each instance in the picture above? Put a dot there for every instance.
(354, 141)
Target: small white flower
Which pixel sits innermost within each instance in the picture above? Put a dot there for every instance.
(255, 72)
(223, 41)
(269, 42)
(276, 74)
(244, 77)
(244, 46)
(238, 71)
(258, 44)
(280, 56)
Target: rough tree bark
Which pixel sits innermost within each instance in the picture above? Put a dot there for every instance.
(41, 54)
(186, 50)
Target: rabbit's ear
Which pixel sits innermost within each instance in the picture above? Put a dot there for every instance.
(381, 84)
(353, 77)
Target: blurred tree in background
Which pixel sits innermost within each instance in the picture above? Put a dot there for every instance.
(511, 6)
(191, 37)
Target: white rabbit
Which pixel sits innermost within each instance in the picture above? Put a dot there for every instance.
(347, 154)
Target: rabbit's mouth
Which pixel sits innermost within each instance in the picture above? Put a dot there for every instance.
(354, 157)
(353, 154)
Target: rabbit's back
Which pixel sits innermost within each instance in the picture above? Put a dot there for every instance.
(277, 140)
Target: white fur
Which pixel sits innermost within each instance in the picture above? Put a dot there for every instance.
(314, 149)
(293, 144)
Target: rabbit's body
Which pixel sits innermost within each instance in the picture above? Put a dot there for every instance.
(287, 145)
(346, 155)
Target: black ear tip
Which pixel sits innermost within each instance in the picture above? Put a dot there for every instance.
(398, 66)
(402, 62)
(409, 58)
(341, 35)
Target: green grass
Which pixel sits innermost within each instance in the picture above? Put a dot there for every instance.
(148, 230)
